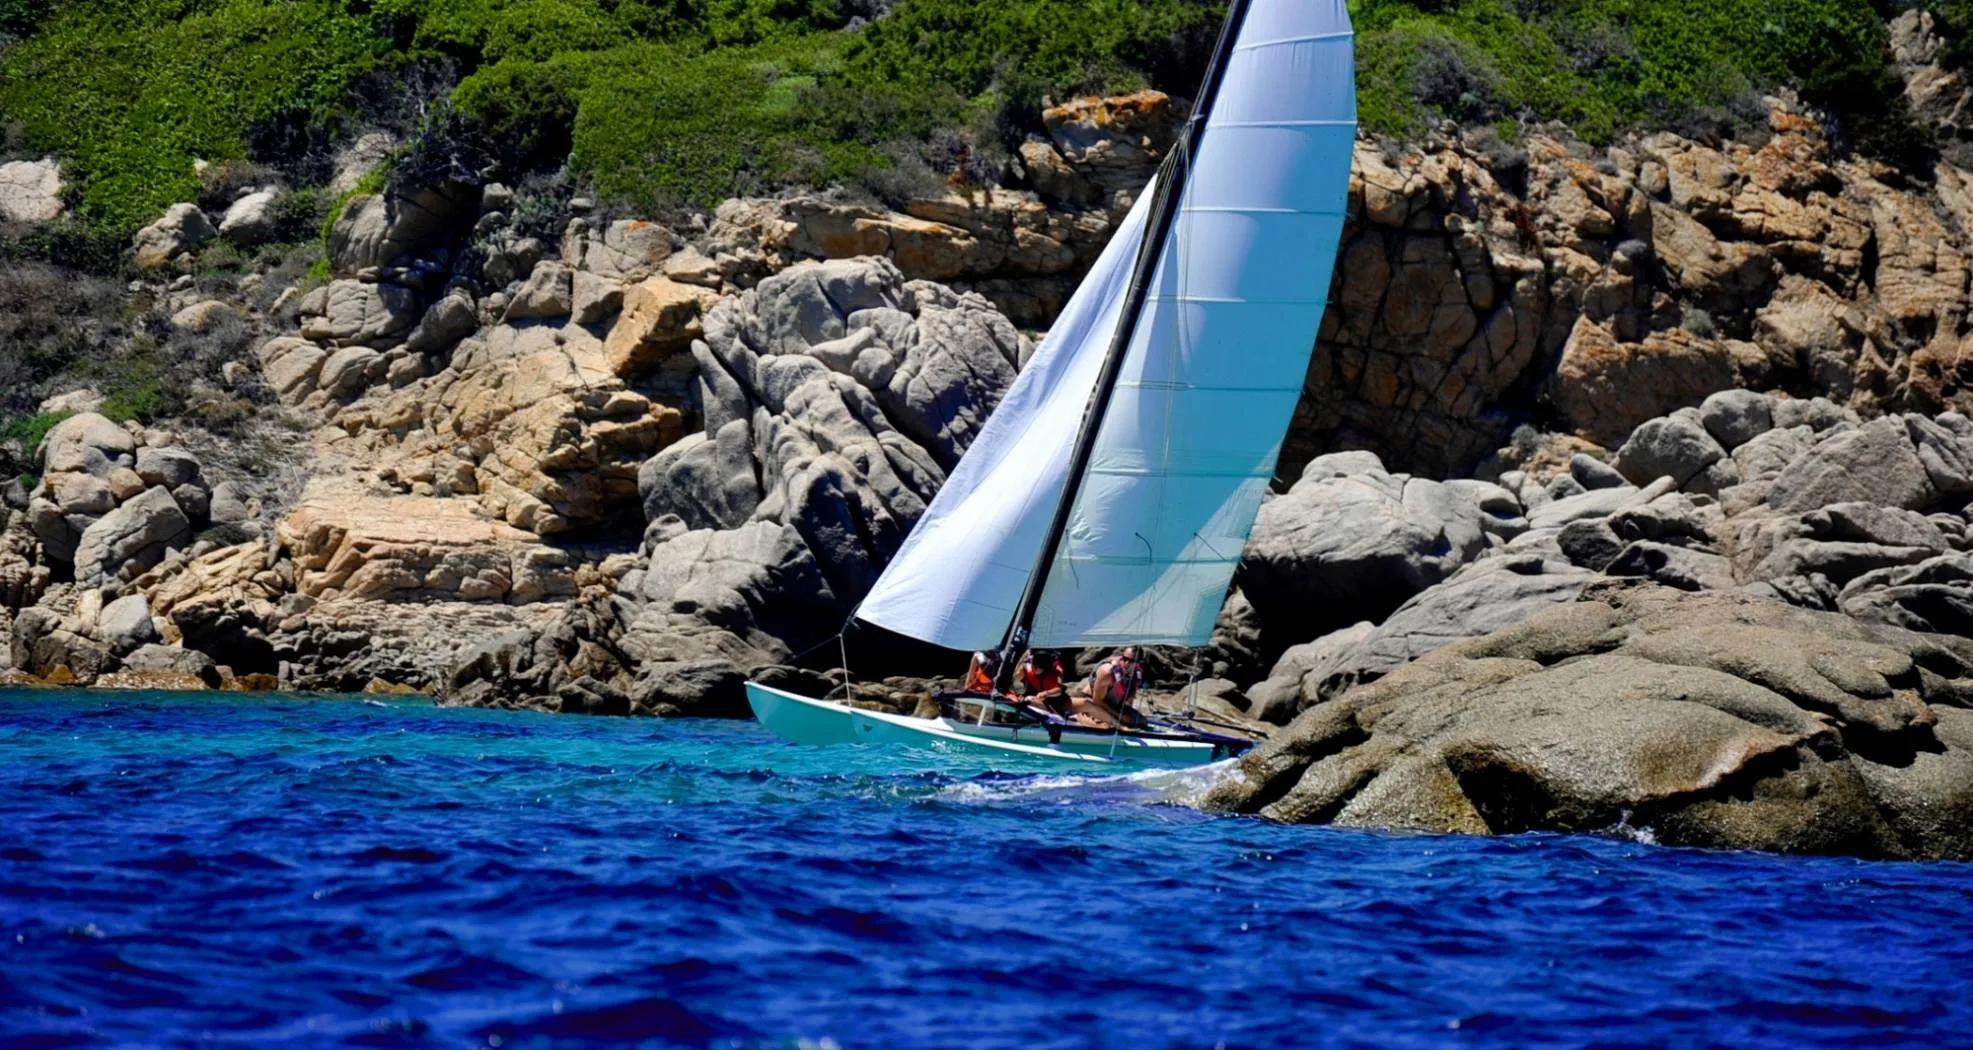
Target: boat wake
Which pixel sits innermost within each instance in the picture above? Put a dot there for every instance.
(1173, 787)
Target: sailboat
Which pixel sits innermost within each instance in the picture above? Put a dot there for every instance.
(1108, 497)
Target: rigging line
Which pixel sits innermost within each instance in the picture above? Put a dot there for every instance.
(843, 644)
(834, 637)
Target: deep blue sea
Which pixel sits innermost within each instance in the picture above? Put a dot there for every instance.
(214, 869)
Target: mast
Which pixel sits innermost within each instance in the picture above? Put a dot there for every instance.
(1164, 212)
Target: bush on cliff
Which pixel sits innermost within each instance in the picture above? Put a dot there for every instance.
(693, 100)
(685, 100)
(1604, 65)
(131, 92)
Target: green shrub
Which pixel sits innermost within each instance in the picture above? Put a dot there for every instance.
(141, 400)
(656, 126)
(1603, 65)
(689, 100)
(1025, 49)
(130, 92)
(30, 430)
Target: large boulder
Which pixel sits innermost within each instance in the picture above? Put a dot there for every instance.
(125, 624)
(1710, 720)
(1735, 417)
(660, 319)
(1873, 463)
(182, 229)
(132, 538)
(253, 219)
(58, 650)
(86, 442)
(444, 324)
(624, 251)
(1677, 446)
(376, 229)
(546, 293)
(363, 313)
(292, 367)
(1365, 539)
(30, 191)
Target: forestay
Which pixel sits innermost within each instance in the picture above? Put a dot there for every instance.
(1207, 389)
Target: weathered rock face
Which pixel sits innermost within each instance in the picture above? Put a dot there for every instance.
(252, 219)
(1348, 527)
(348, 545)
(108, 506)
(183, 228)
(1473, 290)
(30, 191)
(1798, 501)
(377, 229)
(1618, 288)
(546, 440)
(1939, 97)
(835, 396)
(1710, 720)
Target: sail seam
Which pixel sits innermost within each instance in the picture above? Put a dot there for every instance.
(1351, 123)
(1142, 472)
(1324, 301)
(1247, 209)
(1167, 384)
(1312, 38)
(1113, 559)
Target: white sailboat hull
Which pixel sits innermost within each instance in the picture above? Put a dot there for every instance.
(803, 720)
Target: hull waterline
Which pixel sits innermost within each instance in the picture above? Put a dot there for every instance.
(803, 720)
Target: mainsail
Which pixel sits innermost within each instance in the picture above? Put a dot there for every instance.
(1193, 413)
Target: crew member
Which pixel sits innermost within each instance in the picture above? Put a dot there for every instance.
(1041, 681)
(1111, 688)
(981, 673)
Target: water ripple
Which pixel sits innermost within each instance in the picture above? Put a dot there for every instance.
(201, 869)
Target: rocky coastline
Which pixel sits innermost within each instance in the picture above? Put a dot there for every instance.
(1636, 479)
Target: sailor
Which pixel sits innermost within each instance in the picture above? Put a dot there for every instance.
(1041, 681)
(1111, 687)
(981, 673)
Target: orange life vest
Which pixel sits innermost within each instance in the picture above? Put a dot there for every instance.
(1040, 680)
(979, 679)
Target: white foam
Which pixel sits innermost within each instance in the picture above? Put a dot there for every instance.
(1178, 787)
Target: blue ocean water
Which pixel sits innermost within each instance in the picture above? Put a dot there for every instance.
(211, 869)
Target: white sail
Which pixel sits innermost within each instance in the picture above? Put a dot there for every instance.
(959, 575)
(1189, 442)
(1213, 372)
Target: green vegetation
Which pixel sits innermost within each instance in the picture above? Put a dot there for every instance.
(142, 400)
(650, 102)
(29, 430)
(131, 91)
(1604, 65)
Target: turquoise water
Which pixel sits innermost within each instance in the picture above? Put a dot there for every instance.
(210, 869)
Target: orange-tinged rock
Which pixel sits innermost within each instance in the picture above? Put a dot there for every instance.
(347, 544)
(660, 318)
